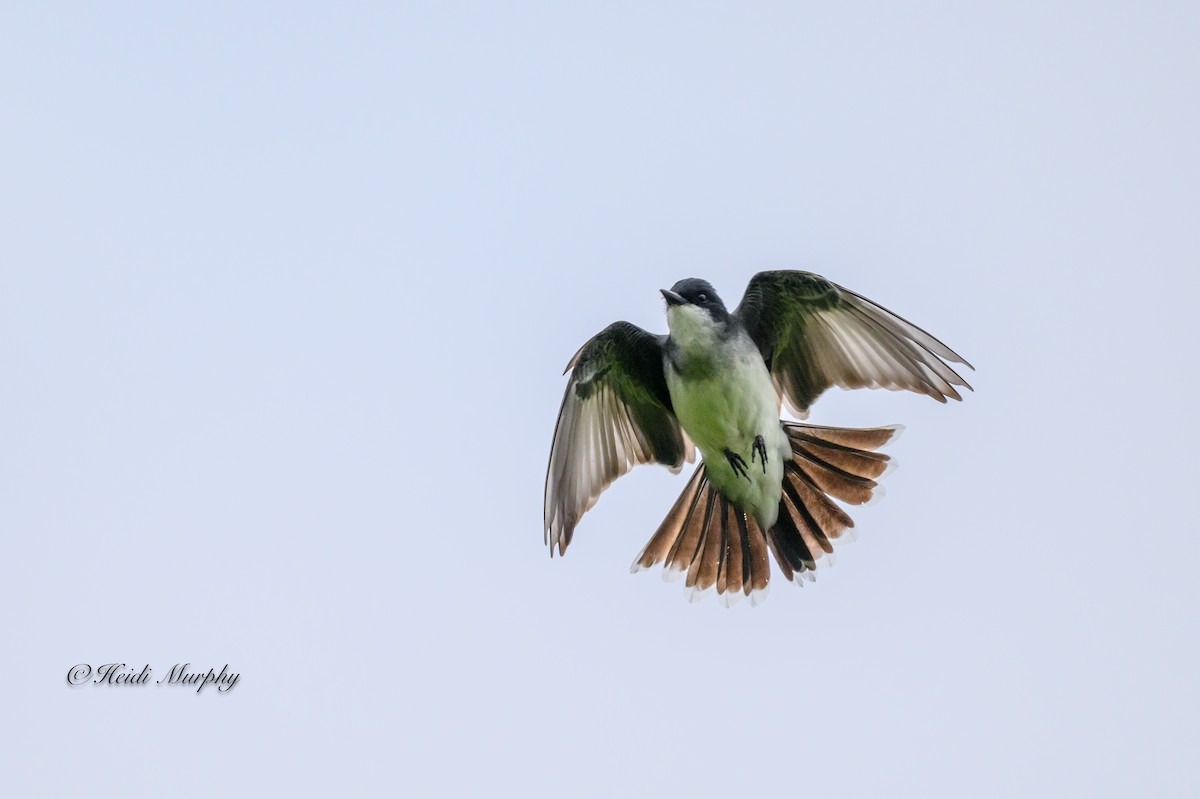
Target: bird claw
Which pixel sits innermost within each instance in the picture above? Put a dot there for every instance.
(737, 462)
(760, 447)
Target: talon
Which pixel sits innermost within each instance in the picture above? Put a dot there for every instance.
(737, 462)
(760, 447)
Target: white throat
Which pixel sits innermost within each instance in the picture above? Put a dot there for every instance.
(693, 330)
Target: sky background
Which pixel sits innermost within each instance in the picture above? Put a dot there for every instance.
(286, 291)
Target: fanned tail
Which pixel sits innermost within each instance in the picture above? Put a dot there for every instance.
(718, 546)
(713, 542)
(826, 462)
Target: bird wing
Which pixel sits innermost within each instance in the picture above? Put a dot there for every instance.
(616, 413)
(814, 334)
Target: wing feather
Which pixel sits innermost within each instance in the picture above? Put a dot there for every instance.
(616, 414)
(814, 334)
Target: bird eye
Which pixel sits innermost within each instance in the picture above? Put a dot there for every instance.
(702, 297)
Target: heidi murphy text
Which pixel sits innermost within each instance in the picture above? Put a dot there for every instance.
(121, 674)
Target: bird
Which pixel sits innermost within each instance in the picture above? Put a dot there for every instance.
(718, 382)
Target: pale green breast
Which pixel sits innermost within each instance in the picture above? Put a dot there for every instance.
(726, 407)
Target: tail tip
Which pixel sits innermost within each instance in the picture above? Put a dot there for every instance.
(892, 465)
(897, 431)
(804, 576)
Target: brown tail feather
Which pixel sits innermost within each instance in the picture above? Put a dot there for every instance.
(665, 538)
(719, 546)
(708, 557)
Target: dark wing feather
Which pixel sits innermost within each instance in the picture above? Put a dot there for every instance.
(814, 334)
(616, 414)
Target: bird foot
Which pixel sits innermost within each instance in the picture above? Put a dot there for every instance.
(760, 447)
(737, 462)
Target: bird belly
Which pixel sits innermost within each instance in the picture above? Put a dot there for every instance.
(727, 408)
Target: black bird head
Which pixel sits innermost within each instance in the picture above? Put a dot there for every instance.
(697, 292)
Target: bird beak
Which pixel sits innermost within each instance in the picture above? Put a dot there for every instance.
(672, 298)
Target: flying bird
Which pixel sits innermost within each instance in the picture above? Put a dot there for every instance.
(716, 382)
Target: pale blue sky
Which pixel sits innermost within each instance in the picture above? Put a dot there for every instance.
(285, 295)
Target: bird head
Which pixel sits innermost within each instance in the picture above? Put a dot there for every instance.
(695, 300)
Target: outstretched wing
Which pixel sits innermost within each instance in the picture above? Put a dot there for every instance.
(814, 334)
(616, 414)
